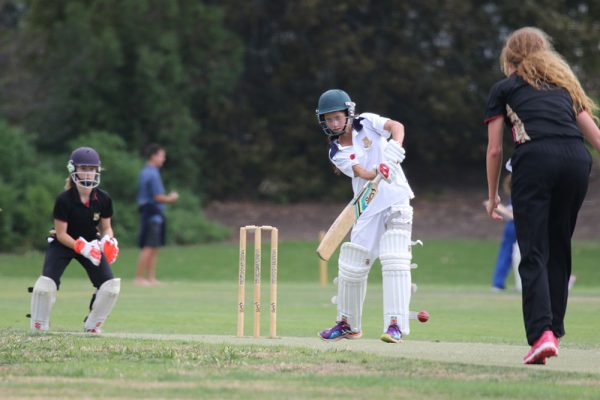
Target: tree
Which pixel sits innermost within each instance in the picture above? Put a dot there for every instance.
(428, 64)
(148, 70)
(27, 189)
(230, 87)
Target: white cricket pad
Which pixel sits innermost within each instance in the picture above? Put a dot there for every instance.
(401, 217)
(395, 256)
(106, 297)
(42, 300)
(353, 271)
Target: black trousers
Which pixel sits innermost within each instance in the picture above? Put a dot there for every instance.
(549, 183)
(59, 256)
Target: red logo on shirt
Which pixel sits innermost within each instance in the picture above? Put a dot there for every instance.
(352, 156)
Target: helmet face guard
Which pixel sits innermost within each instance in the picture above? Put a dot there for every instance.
(331, 101)
(85, 157)
(84, 180)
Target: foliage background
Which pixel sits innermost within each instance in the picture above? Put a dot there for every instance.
(230, 89)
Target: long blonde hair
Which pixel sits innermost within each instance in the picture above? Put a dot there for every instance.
(529, 51)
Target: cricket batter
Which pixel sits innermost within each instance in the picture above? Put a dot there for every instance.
(362, 146)
(81, 212)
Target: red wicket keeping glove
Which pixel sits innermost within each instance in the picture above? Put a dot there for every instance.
(110, 248)
(90, 250)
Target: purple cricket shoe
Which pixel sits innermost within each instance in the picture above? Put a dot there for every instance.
(393, 334)
(341, 330)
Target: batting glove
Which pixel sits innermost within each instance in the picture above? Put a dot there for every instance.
(389, 171)
(394, 152)
(90, 250)
(110, 248)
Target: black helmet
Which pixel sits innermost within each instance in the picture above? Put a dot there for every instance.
(84, 157)
(334, 100)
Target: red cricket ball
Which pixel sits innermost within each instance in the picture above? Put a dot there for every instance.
(423, 316)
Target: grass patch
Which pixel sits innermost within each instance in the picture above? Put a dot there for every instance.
(444, 262)
(200, 298)
(127, 368)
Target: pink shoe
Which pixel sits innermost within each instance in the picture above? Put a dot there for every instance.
(545, 347)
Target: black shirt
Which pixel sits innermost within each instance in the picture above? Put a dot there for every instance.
(83, 219)
(530, 113)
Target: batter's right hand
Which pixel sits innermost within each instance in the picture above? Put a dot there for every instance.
(389, 171)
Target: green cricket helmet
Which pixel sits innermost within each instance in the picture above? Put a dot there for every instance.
(331, 101)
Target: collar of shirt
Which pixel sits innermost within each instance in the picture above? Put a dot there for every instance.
(77, 198)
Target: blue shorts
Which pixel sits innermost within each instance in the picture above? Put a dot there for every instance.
(152, 234)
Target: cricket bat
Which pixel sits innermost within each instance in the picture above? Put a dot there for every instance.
(343, 223)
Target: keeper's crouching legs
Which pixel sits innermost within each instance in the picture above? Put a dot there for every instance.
(395, 257)
(42, 300)
(103, 303)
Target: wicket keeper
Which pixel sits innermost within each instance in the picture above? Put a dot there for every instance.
(82, 231)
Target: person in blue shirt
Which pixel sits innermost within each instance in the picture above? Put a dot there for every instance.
(151, 200)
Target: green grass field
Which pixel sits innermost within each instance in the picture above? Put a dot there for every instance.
(177, 341)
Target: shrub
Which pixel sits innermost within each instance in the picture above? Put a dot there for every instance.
(186, 224)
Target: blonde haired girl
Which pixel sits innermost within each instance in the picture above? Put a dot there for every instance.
(549, 114)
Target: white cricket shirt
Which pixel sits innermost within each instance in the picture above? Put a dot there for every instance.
(367, 151)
